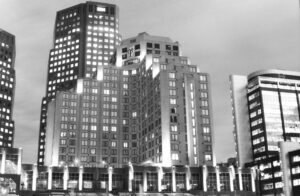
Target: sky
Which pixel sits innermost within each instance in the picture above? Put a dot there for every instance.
(222, 37)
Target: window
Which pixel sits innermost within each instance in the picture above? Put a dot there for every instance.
(174, 137)
(175, 156)
(208, 157)
(149, 45)
(172, 101)
(172, 83)
(172, 75)
(174, 128)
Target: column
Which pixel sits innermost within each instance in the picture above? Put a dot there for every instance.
(34, 177)
(110, 169)
(49, 177)
(218, 178)
(3, 161)
(19, 166)
(188, 177)
(160, 176)
(25, 181)
(253, 176)
(240, 178)
(231, 177)
(204, 178)
(173, 179)
(130, 177)
(65, 178)
(80, 180)
(145, 185)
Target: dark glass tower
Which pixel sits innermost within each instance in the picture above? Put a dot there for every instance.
(7, 88)
(85, 37)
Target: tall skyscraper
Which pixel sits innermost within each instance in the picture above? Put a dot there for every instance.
(85, 37)
(152, 107)
(269, 115)
(7, 88)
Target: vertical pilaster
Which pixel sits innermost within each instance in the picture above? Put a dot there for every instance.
(65, 178)
(231, 177)
(3, 161)
(19, 164)
(218, 178)
(173, 179)
(110, 170)
(145, 185)
(253, 176)
(188, 178)
(26, 181)
(160, 177)
(34, 177)
(240, 179)
(130, 177)
(204, 178)
(49, 177)
(80, 180)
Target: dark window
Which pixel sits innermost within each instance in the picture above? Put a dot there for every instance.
(124, 50)
(137, 53)
(113, 159)
(168, 47)
(137, 47)
(133, 136)
(91, 8)
(157, 46)
(149, 51)
(175, 48)
(149, 45)
(72, 142)
(112, 11)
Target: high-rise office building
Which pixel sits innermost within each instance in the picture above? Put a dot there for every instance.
(266, 108)
(151, 107)
(85, 37)
(171, 100)
(7, 88)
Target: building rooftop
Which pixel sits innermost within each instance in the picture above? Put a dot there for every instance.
(146, 36)
(273, 73)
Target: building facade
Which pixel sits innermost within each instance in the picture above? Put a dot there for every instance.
(205, 180)
(151, 106)
(85, 37)
(273, 116)
(7, 88)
